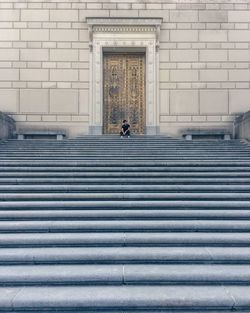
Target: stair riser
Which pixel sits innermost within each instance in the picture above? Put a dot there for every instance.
(123, 197)
(128, 165)
(123, 261)
(236, 189)
(92, 170)
(103, 182)
(116, 282)
(34, 205)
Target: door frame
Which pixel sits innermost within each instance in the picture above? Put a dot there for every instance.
(130, 53)
(126, 34)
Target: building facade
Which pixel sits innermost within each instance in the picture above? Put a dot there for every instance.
(165, 65)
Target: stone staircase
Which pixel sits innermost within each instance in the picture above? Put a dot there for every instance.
(103, 224)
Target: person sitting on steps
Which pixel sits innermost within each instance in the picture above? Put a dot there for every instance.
(125, 129)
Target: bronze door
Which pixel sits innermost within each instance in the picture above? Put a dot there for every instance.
(124, 92)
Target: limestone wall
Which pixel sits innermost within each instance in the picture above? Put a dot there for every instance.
(204, 60)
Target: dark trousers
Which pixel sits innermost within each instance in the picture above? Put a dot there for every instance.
(126, 134)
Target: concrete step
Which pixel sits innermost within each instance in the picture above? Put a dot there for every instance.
(194, 188)
(139, 139)
(141, 150)
(123, 214)
(126, 174)
(127, 164)
(63, 275)
(125, 196)
(133, 180)
(121, 150)
(115, 151)
(125, 239)
(126, 169)
(132, 142)
(157, 204)
(142, 140)
(132, 153)
(243, 160)
(125, 255)
(13, 172)
(136, 160)
(126, 298)
(129, 226)
(36, 145)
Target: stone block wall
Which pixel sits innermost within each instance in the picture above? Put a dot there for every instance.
(204, 60)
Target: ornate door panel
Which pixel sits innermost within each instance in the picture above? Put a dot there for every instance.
(124, 92)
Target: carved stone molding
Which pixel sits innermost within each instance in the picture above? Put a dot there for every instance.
(124, 29)
(109, 25)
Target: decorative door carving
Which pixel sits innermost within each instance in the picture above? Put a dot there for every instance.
(124, 92)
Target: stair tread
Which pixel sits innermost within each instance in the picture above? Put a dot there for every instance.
(122, 188)
(244, 204)
(125, 254)
(109, 297)
(129, 225)
(126, 214)
(124, 239)
(125, 274)
(125, 195)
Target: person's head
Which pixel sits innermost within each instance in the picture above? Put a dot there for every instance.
(124, 121)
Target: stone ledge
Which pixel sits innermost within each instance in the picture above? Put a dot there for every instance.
(205, 133)
(7, 126)
(242, 126)
(26, 133)
(154, 21)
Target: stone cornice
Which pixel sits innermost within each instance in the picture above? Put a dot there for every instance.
(99, 21)
(122, 29)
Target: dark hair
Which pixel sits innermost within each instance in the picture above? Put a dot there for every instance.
(124, 121)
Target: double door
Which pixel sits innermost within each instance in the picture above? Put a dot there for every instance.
(124, 92)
